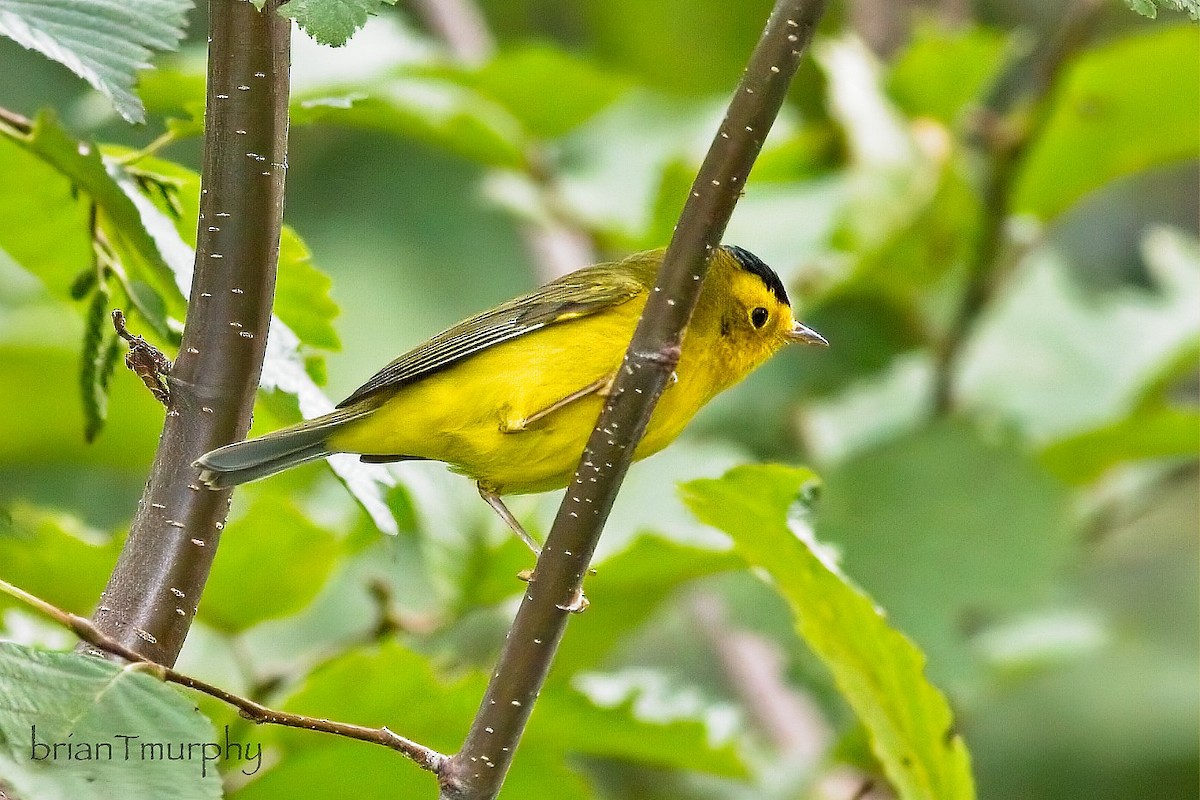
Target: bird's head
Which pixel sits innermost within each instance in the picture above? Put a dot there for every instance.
(755, 312)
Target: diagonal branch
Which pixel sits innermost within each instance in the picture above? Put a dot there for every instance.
(251, 710)
(155, 587)
(477, 771)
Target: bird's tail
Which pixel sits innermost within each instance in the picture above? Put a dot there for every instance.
(252, 459)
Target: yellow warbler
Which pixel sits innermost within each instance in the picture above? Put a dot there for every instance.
(509, 396)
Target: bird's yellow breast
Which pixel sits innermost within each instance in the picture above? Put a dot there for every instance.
(460, 414)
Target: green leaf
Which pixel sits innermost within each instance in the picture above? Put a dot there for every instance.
(302, 295)
(54, 557)
(877, 670)
(548, 90)
(1157, 427)
(1044, 355)
(389, 685)
(434, 111)
(331, 22)
(1144, 7)
(106, 44)
(82, 168)
(1128, 106)
(95, 365)
(626, 590)
(944, 527)
(48, 431)
(43, 221)
(107, 714)
(240, 593)
(941, 71)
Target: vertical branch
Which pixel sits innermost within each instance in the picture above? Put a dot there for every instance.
(155, 587)
(477, 771)
(1009, 121)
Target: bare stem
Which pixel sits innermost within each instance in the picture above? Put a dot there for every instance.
(477, 771)
(255, 712)
(155, 587)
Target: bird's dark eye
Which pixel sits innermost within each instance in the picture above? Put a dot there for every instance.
(758, 317)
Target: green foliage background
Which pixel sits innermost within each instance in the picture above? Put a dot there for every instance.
(1038, 544)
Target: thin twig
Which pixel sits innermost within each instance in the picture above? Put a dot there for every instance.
(144, 360)
(82, 627)
(477, 771)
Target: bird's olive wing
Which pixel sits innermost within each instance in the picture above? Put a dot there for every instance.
(575, 295)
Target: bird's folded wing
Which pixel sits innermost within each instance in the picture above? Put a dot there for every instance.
(578, 294)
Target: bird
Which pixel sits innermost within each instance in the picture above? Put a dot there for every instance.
(509, 396)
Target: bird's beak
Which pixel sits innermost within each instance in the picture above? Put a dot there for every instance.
(806, 335)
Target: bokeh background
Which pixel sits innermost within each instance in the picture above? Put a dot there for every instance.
(1012, 478)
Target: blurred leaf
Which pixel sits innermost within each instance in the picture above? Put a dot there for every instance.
(82, 701)
(170, 91)
(302, 297)
(878, 670)
(1156, 428)
(41, 384)
(240, 593)
(932, 239)
(423, 108)
(1128, 106)
(949, 531)
(1155, 433)
(868, 328)
(941, 71)
(570, 721)
(674, 184)
(1058, 361)
(388, 685)
(106, 44)
(117, 217)
(548, 90)
(330, 22)
(101, 349)
(51, 555)
(43, 221)
(626, 589)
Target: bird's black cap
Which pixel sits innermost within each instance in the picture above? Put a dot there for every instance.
(754, 264)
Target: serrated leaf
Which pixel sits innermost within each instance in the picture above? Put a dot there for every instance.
(331, 22)
(80, 166)
(1128, 106)
(106, 44)
(302, 295)
(240, 593)
(877, 670)
(174, 228)
(65, 698)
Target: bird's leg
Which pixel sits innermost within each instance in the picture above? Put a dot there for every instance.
(600, 387)
(498, 506)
